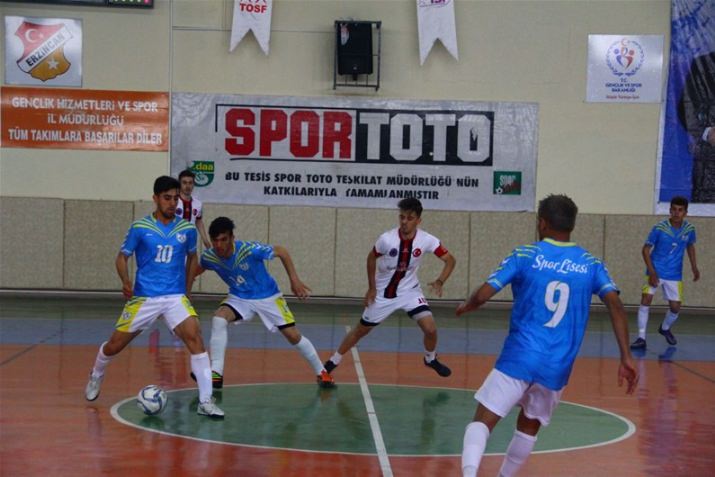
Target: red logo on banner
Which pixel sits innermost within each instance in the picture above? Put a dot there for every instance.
(43, 56)
(253, 6)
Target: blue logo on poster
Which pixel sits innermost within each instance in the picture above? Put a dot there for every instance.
(625, 57)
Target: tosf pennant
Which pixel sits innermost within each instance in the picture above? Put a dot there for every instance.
(252, 15)
(435, 20)
(43, 55)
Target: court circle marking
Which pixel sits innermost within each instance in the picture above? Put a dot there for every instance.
(115, 413)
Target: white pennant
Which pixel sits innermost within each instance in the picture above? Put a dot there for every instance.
(435, 20)
(252, 15)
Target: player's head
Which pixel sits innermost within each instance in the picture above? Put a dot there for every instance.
(166, 196)
(678, 209)
(410, 204)
(410, 216)
(221, 233)
(679, 200)
(557, 213)
(187, 178)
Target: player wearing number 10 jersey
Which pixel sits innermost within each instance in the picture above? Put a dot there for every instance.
(552, 282)
(161, 251)
(165, 246)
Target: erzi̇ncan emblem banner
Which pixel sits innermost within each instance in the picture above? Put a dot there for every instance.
(43, 51)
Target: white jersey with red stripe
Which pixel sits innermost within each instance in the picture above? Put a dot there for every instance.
(189, 210)
(398, 260)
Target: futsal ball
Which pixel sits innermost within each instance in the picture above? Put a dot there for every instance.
(151, 400)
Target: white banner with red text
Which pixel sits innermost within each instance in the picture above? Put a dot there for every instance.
(345, 152)
(252, 15)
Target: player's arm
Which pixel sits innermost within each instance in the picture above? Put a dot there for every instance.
(449, 263)
(619, 321)
(652, 274)
(479, 297)
(202, 231)
(122, 264)
(299, 289)
(193, 270)
(371, 286)
(693, 262)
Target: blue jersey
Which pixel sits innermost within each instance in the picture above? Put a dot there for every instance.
(552, 283)
(669, 245)
(161, 252)
(244, 271)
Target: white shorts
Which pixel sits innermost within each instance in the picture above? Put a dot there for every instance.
(500, 393)
(141, 312)
(672, 289)
(413, 302)
(274, 311)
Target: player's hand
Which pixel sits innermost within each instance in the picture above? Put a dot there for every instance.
(127, 289)
(300, 289)
(436, 286)
(711, 135)
(462, 309)
(696, 274)
(627, 371)
(370, 296)
(653, 279)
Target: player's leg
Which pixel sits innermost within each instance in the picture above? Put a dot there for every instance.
(429, 328)
(521, 445)
(349, 340)
(537, 407)
(306, 349)
(643, 313)
(418, 309)
(476, 436)
(226, 313)
(181, 317)
(373, 315)
(107, 351)
(138, 314)
(673, 291)
(497, 396)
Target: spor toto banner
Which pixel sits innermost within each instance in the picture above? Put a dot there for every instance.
(340, 152)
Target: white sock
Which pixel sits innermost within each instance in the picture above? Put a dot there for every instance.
(218, 342)
(518, 451)
(430, 356)
(642, 320)
(670, 318)
(307, 351)
(475, 441)
(201, 368)
(101, 362)
(336, 358)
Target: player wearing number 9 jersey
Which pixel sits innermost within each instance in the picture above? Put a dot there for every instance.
(552, 282)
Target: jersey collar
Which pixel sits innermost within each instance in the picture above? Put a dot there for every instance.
(559, 244)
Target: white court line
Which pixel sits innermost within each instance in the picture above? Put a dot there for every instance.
(372, 415)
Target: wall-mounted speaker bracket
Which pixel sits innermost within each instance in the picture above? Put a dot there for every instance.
(355, 64)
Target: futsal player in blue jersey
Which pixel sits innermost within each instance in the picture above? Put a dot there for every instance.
(165, 247)
(252, 291)
(663, 256)
(552, 282)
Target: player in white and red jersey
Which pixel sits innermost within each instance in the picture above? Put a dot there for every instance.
(189, 207)
(392, 267)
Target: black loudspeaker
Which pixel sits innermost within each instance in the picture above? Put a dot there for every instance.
(354, 46)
